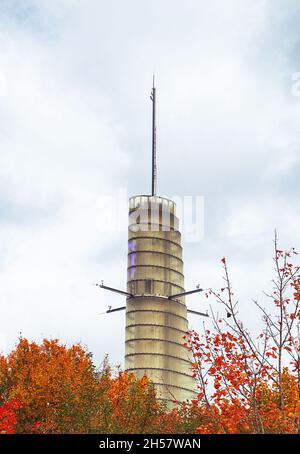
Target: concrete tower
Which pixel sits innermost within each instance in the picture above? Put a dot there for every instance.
(156, 313)
(155, 322)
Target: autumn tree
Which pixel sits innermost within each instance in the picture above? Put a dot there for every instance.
(55, 384)
(249, 384)
(128, 405)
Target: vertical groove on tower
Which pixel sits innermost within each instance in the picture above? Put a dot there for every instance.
(155, 325)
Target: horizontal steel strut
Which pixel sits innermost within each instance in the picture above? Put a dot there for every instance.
(122, 292)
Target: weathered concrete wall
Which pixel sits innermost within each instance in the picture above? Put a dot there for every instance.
(155, 325)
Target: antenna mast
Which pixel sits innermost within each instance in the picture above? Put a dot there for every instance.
(153, 99)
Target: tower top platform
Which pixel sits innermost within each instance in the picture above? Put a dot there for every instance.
(146, 201)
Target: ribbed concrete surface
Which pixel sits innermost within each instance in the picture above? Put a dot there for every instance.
(155, 325)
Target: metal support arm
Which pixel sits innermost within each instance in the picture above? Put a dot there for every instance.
(121, 292)
(111, 289)
(198, 313)
(177, 295)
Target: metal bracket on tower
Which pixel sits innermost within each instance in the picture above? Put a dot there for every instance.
(177, 295)
(203, 314)
(115, 309)
(111, 289)
(122, 292)
(190, 292)
(115, 290)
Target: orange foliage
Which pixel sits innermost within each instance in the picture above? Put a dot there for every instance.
(9, 416)
(245, 385)
(55, 385)
(240, 401)
(61, 391)
(50, 388)
(248, 385)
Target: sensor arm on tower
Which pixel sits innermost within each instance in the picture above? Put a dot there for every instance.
(116, 309)
(190, 292)
(122, 292)
(197, 313)
(111, 289)
(185, 293)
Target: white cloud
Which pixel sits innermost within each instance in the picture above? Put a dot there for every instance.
(75, 125)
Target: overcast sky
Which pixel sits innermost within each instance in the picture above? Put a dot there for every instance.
(75, 126)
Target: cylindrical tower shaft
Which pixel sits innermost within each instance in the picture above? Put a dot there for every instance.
(156, 325)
